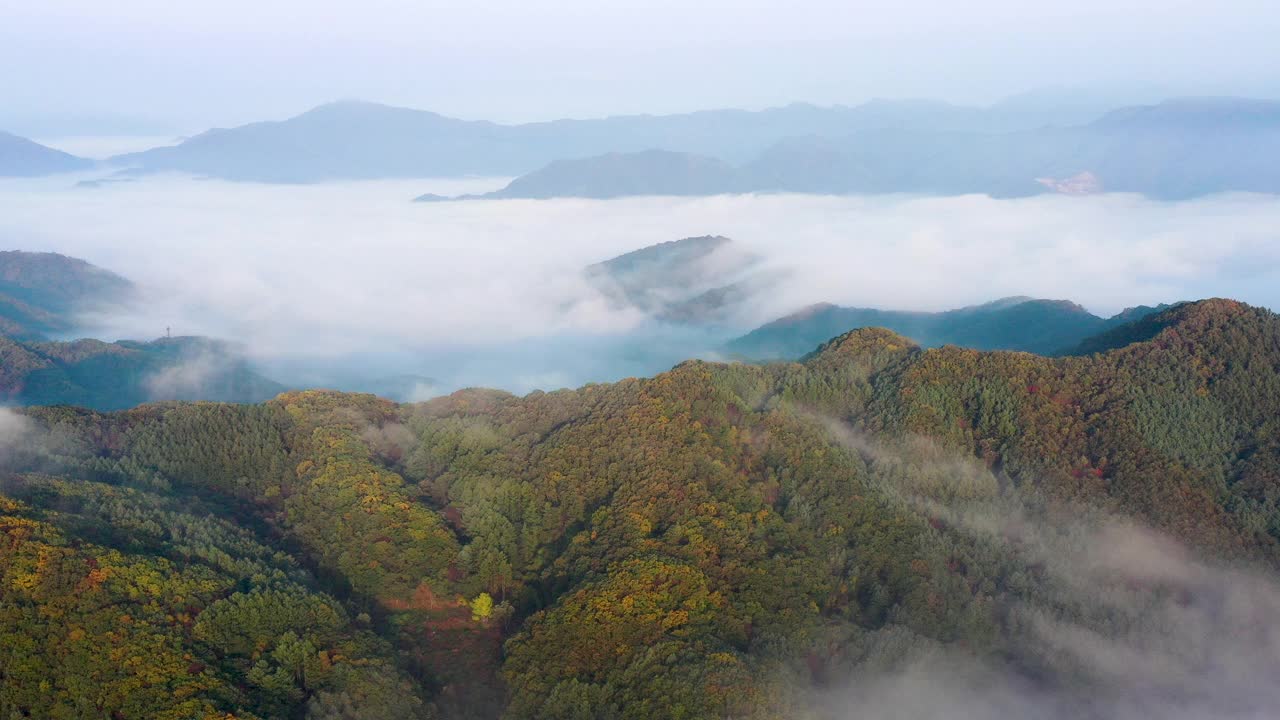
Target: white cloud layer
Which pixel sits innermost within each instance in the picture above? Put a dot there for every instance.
(355, 268)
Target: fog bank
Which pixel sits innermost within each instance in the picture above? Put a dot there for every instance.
(492, 292)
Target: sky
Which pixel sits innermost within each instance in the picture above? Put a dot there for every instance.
(82, 67)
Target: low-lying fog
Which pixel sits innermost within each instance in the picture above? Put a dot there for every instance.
(343, 282)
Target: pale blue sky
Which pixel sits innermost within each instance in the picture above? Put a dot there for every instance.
(193, 64)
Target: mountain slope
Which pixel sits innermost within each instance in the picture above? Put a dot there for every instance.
(717, 541)
(1018, 323)
(343, 140)
(694, 281)
(124, 598)
(42, 293)
(651, 172)
(20, 157)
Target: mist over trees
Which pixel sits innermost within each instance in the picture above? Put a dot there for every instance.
(794, 540)
(549, 361)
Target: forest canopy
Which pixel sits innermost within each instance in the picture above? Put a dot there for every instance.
(718, 541)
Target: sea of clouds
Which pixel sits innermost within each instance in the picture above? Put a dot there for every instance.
(314, 279)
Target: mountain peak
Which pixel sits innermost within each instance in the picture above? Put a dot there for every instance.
(1182, 323)
(693, 280)
(697, 246)
(867, 342)
(355, 106)
(347, 111)
(20, 157)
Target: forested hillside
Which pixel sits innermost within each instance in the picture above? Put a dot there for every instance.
(878, 531)
(43, 293)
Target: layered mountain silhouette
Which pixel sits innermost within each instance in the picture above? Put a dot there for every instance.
(1016, 323)
(352, 139)
(1175, 150)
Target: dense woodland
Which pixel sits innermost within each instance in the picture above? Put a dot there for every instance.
(719, 541)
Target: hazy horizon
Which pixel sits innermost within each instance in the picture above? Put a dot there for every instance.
(100, 135)
(152, 68)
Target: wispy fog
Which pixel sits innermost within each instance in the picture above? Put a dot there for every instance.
(318, 279)
(15, 429)
(1128, 622)
(1149, 631)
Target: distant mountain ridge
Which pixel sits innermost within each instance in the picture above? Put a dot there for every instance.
(354, 139)
(1179, 148)
(1174, 150)
(1044, 327)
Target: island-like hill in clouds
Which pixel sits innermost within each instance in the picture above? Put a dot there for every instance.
(1089, 534)
(1173, 150)
(43, 294)
(1045, 327)
(123, 374)
(20, 157)
(47, 295)
(695, 281)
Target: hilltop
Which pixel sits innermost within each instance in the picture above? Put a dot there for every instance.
(695, 281)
